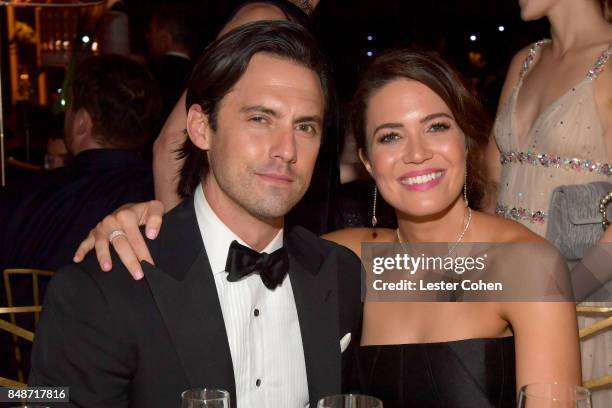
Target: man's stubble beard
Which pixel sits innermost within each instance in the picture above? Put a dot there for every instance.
(261, 202)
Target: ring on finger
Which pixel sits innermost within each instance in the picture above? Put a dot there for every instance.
(114, 234)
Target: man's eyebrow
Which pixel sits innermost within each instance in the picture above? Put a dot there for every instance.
(313, 118)
(260, 109)
(268, 111)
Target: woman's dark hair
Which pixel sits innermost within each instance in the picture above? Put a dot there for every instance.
(292, 12)
(222, 65)
(437, 75)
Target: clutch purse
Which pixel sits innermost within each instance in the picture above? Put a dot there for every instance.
(577, 217)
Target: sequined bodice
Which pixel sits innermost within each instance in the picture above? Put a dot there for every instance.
(564, 146)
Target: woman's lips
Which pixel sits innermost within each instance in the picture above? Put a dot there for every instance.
(422, 180)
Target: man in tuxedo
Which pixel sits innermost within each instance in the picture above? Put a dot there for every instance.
(234, 301)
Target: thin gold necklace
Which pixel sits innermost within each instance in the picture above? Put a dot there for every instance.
(467, 225)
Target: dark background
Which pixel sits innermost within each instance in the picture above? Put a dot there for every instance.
(441, 25)
(343, 27)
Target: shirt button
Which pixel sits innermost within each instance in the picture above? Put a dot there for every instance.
(256, 313)
(258, 382)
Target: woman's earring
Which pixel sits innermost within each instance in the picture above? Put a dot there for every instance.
(374, 220)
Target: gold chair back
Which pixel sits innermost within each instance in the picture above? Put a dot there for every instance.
(12, 310)
(16, 331)
(592, 330)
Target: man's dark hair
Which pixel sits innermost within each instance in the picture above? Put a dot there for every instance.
(223, 64)
(122, 99)
(179, 20)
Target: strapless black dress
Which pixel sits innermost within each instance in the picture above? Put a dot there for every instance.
(470, 373)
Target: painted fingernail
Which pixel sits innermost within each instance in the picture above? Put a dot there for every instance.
(151, 233)
(106, 266)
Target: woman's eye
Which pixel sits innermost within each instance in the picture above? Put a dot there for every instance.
(439, 127)
(388, 137)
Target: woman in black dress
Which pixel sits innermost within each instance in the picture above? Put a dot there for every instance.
(421, 135)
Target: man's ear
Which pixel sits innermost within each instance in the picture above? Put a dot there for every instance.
(364, 159)
(198, 127)
(82, 126)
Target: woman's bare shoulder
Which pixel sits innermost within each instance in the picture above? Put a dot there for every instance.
(518, 60)
(352, 238)
(492, 228)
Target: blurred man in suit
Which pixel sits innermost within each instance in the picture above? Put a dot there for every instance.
(113, 112)
(169, 45)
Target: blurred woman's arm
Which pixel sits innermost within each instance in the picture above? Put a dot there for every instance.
(546, 342)
(166, 164)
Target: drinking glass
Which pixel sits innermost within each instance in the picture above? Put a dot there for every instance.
(554, 396)
(349, 401)
(205, 398)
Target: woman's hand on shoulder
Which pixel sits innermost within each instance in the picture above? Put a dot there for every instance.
(128, 241)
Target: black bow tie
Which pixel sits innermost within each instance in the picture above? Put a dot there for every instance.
(243, 261)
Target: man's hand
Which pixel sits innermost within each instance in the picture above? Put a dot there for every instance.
(130, 246)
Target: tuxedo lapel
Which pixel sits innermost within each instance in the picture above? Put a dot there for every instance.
(184, 290)
(315, 296)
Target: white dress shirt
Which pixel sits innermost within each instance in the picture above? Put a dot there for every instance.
(262, 325)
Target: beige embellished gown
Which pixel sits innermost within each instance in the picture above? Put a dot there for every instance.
(565, 146)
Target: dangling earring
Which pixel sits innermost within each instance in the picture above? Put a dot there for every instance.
(374, 220)
(465, 198)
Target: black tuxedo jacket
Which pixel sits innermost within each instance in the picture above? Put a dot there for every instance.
(119, 342)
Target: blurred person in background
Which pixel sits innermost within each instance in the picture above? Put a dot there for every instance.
(57, 154)
(114, 107)
(112, 31)
(169, 45)
(554, 129)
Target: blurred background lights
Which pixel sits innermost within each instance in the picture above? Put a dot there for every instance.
(370, 38)
(501, 28)
(473, 37)
(85, 39)
(369, 53)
